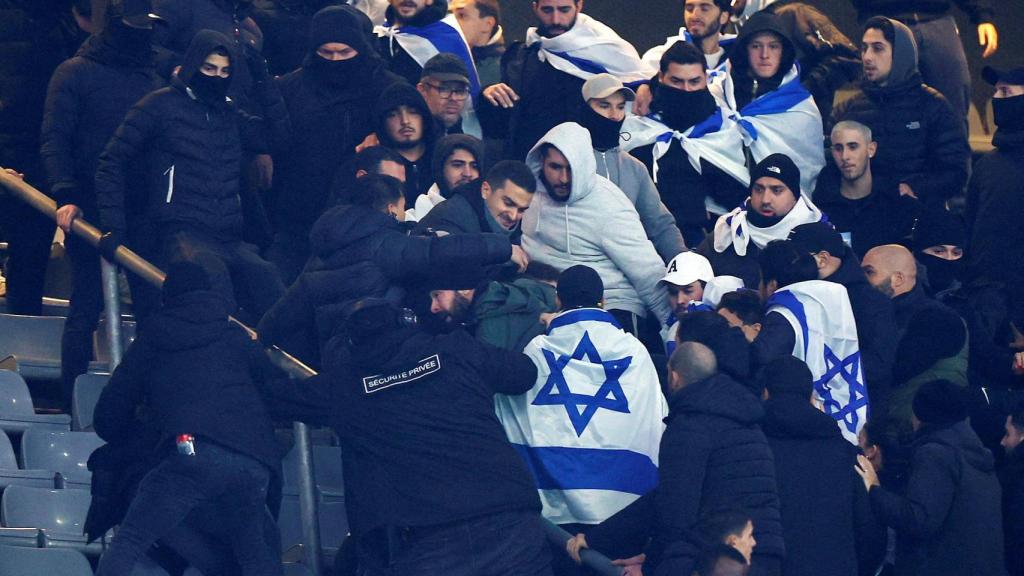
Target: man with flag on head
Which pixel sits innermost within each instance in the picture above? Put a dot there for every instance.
(589, 429)
(541, 79)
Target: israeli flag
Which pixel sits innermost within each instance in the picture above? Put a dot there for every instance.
(826, 339)
(653, 56)
(589, 429)
(424, 42)
(590, 48)
(785, 120)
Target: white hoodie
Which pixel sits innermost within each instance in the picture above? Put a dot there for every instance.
(597, 227)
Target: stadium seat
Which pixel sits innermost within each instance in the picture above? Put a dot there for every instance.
(17, 561)
(101, 344)
(11, 475)
(16, 411)
(63, 452)
(56, 511)
(83, 400)
(333, 524)
(327, 463)
(30, 346)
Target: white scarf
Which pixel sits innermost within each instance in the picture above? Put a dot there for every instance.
(590, 48)
(734, 230)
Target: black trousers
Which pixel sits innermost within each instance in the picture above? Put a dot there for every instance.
(29, 236)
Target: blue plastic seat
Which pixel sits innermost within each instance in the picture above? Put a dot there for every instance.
(63, 452)
(18, 561)
(17, 413)
(11, 475)
(88, 388)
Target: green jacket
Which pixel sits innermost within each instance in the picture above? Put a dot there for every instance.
(901, 402)
(507, 314)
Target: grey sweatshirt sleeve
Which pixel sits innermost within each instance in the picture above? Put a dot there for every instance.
(628, 248)
(658, 222)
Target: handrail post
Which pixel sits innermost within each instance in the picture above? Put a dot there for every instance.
(308, 499)
(112, 311)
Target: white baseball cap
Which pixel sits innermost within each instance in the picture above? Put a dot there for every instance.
(687, 268)
(720, 286)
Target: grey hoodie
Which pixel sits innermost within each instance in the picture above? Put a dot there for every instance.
(631, 176)
(598, 226)
(904, 55)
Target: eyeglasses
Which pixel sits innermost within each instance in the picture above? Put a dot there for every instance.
(460, 93)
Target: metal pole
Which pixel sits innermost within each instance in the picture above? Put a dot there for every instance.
(308, 500)
(597, 562)
(112, 311)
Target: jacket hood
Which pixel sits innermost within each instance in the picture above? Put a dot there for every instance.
(204, 42)
(792, 417)
(343, 226)
(429, 15)
(961, 437)
(573, 141)
(904, 56)
(718, 395)
(399, 94)
(190, 320)
(849, 272)
(761, 22)
(445, 147)
(523, 295)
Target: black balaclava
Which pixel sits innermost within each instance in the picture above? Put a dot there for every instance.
(1008, 113)
(679, 109)
(342, 24)
(604, 132)
(939, 227)
(209, 89)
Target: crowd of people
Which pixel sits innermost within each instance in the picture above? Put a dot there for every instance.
(695, 305)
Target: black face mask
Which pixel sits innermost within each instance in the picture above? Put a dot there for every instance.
(1008, 113)
(759, 220)
(209, 88)
(680, 110)
(942, 273)
(337, 73)
(604, 133)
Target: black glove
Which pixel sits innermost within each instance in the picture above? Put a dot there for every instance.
(108, 245)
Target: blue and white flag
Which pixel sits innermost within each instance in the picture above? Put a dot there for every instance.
(590, 48)
(589, 429)
(653, 56)
(826, 339)
(424, 42)
(734, 230)
(785, 120)
(713, 291)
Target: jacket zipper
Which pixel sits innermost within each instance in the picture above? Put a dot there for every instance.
(170, 183)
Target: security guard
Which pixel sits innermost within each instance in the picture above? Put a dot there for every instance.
(434, 486)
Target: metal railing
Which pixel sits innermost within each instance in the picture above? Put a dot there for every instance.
(308, 491)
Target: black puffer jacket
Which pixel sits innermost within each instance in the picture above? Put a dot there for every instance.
(713, 455)
(196, 371)
(814, 463)
(920, 140)
(949, 522)
(359, 253)
(190, 151)
(88, 98)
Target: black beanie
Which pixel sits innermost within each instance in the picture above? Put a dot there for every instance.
(580, 287)
(937, 226)
(787, 376)
(939, 402)
(343, 24)
(185, 276)
(778, 166)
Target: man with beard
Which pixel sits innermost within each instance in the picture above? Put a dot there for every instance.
(922, 145)
(582, 217)
(868, 210)
(602, 114)
(457, 160)
(403, 123)
(704, 20)
(420, 29)
(340, 73)
(774, 208)
(541, 78)
(696, 161)
(89, 95)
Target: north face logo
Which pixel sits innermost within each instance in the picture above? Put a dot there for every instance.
(915, 125)
(774, 169)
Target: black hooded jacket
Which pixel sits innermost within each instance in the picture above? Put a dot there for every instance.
(747, 86)
(285, 26)
(189, 152)
(399, 61)
(949, 520)
(196, 372)
(419, 175)
(713, 455)
(814, 463)
(331, 118)
(921, 142)
(360, 253)
(88, 98)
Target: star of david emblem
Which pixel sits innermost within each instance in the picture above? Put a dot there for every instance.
(846, 368)
(581, 408)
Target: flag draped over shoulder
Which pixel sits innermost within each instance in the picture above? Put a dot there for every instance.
(589, 429)
(590, 48)
(826, 339)
(784, 120)
(653, 56)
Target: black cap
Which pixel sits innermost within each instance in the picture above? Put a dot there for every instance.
(580, 287)
(1012, 76)
(939, 402)
(138, 13)
(185, 276)
(817, 237)
(446, 67)
(778, 166)
(937, 226)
